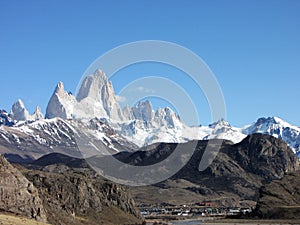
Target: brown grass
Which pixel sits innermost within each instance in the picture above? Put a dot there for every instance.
(7, 219)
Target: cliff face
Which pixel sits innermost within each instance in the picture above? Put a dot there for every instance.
(18, 195)
(76, 198)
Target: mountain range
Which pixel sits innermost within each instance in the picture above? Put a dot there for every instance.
(96, 116)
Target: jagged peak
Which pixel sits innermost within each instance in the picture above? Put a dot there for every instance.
(60, 85)
(91, 86)
(273, 120)
(19, 103)
(38, 109)
(265, 120)
(60, 89)
(167, 111)
(99, 73)
(221, 122)
(143, 111)
(19, 112)
(37, 115)
(146, 103)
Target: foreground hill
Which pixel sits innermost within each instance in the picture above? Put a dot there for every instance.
(233, 179)
(73, 197)
(281, 198)
(64, 196)
(18, 195)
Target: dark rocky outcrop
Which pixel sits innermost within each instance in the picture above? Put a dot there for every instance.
(64, 195)
(17, 194)
(74, 197)
(6, 119)
(235, 175)
(280, 199)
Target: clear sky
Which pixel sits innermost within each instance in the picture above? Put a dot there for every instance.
(253, 48)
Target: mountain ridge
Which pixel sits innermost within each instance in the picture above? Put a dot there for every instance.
(141, 124)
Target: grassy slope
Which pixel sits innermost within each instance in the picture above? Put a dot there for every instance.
(8, 219)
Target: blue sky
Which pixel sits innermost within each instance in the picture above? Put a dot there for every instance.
(253, 48)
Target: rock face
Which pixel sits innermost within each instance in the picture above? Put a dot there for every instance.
(18, 195)
(79, 198)
(61, 104)
(96, 97)
(265, 155)
(19, 111)
(280, 199)
(127, 113)
(110, 102)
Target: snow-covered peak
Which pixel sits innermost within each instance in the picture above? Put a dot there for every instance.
(92, 85)
(268, 125)
(167, 117)
(37, 115)
(19, 112)
(61, 103)
(143, 111)
(96, 98)
(278, 128)
(19, 103)
(60, 89)
(223, 130)
(219, 123)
